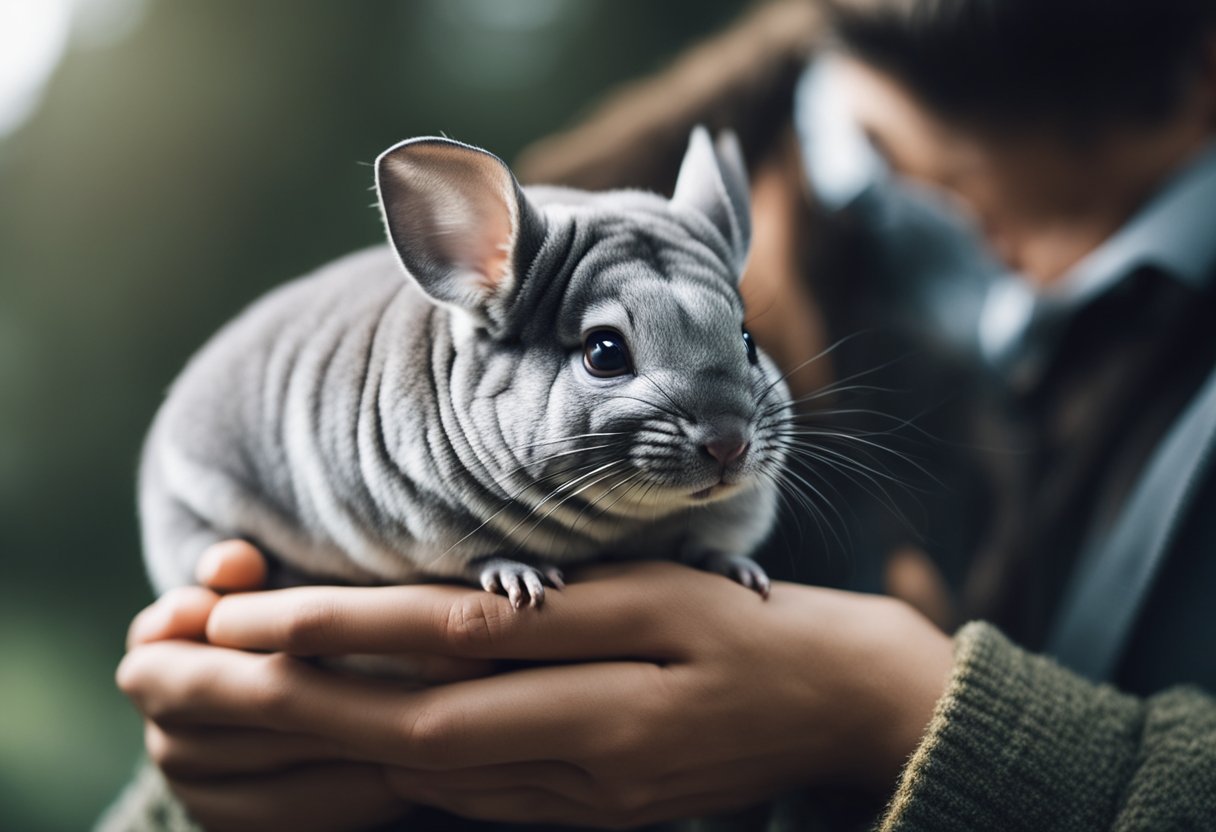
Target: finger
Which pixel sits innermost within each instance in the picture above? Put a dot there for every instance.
(312, 799)
(642, 610)
(186, 685)
(204, 753)
(570, 712)
(179, 613)
(231, 566)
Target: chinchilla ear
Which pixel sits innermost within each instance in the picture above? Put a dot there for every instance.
(713, 181)
(459, 221)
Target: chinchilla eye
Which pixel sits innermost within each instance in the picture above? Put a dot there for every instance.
(605, 354)
(750, 343)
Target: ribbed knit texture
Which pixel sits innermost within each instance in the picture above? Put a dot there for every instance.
(146, 805)
(1020, 743)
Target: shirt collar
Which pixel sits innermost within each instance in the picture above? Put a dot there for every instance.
(1174, 232)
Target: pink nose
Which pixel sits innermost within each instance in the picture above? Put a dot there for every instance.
(726, 451)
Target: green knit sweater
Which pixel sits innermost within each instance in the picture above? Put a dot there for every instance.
(1016, 743)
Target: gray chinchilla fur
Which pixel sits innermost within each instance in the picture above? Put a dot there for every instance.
(524, 379)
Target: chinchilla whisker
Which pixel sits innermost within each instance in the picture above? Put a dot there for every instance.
(595, 503)
(849, 469)
(650, 488)
(623, 494)
(564, 500)
(561, 454)
(681, 411)
(649, 403)
(594, 468)
(873, 488)
(862, 374)
(627, 493)
(823, 524)
(577, 466)
(587, 505)
(818, 451)
(657, 455)
(790, 472)
(868, 443)
(852, 411)
(843, 385)
(810, 419)
(786, 504)
(841, 460)
(764, 394)
(570, 439)
(509, 501)
(821, 354)
(835, 390)
(586, 471)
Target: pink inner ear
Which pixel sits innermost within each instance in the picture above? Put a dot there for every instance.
(482, 239)
(453, 214)
(493, 263)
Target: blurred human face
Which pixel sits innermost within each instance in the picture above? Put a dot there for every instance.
(1042, 201)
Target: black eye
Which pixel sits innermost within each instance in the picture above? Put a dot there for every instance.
(751, 347)
(605, 354)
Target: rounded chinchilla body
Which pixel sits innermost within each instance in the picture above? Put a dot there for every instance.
(523, 379)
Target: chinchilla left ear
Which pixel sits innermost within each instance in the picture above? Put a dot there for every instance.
(713, 181)
(458, 219)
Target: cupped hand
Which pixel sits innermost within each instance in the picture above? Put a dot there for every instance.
(252, 778)
(664, 692)
(181, 613)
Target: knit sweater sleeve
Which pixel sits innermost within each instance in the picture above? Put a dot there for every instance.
(1020, 743)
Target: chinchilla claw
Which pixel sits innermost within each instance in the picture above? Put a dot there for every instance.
(523, 585)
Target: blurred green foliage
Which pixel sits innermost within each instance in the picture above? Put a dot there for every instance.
(166, 179)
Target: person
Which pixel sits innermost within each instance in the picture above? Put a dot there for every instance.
(1078, 138)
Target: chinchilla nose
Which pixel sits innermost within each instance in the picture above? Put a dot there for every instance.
(724, 438)
(726, 450)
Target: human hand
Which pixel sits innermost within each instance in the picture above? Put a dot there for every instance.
(194, 755)
(181, 613)
(694, 696)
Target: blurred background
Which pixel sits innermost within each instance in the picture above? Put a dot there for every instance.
(162, 164)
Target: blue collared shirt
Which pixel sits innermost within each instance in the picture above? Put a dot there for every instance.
(1173, 233)
(936, 250)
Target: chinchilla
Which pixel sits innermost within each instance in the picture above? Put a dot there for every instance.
(523, 379)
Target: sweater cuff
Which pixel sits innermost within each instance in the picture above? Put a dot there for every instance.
(1017, 742)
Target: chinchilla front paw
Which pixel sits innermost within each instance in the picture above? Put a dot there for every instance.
(521, 583)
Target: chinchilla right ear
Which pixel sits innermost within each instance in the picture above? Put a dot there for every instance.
(713, 181)
(459, 221)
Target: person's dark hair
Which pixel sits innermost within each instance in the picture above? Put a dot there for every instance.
(1070, 63)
